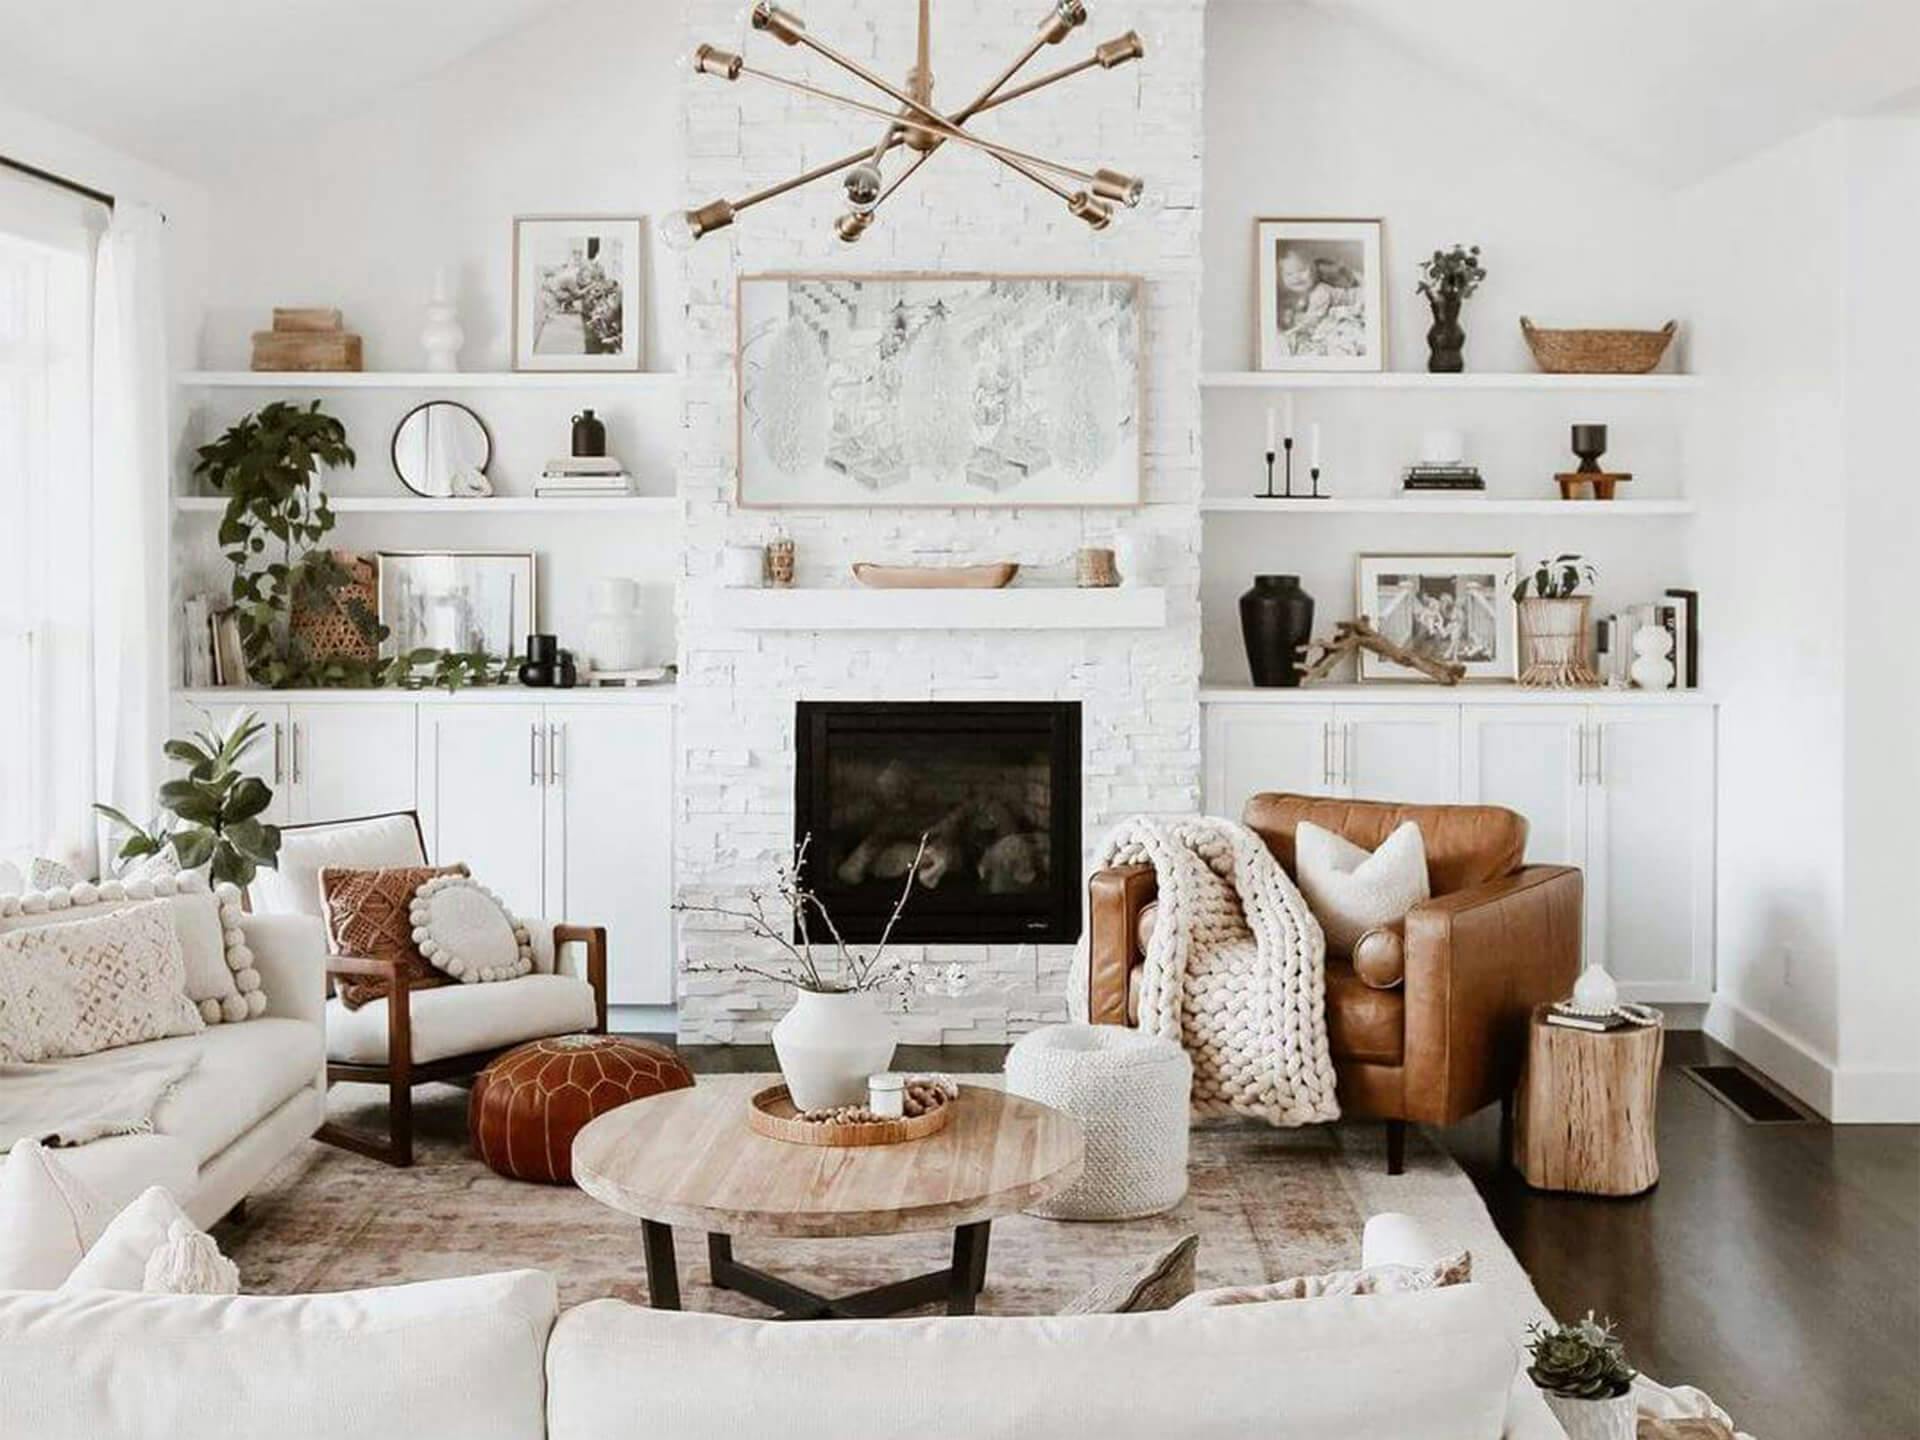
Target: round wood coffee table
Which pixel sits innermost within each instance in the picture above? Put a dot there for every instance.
(687, 1157)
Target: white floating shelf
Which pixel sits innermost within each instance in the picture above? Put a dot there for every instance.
(1034, 607)
(428, 380)
(1451, 505)
(1422, 380)
(1469, 693)
(664, 506)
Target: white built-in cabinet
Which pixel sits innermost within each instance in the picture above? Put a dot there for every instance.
(564, 807)
(1623, 788)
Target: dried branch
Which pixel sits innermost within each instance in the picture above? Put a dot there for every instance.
(1352, 636)
(906, 893)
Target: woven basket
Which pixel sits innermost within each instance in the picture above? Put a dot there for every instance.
(1597, 352)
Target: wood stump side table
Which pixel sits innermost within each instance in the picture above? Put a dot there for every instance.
(1585, 1118)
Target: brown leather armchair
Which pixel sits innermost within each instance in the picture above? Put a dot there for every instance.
(1498, 937)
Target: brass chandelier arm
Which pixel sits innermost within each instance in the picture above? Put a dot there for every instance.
(1039, 82)
(1019, 160)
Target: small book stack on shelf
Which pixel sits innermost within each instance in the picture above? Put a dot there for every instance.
(579, 476)
(1452, 479)
(1562, 1014)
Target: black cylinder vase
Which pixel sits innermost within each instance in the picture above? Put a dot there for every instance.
(1276, 620)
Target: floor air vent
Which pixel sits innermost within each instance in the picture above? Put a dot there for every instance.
(1747, 1097)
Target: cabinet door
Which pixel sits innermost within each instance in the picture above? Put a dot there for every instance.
(1408, 754)
(352, 758)
(1531, 759)
(1650, 791)
(1257, 746)
(610, 839)
(483, 795)
(268, 758)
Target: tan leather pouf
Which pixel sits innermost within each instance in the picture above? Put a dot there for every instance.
(529, 1104)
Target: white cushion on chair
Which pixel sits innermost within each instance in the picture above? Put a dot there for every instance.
(382, 842)
(463, 1019)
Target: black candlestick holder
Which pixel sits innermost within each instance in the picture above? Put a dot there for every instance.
(1286, 446)
(1268, 493)
(1314, 472)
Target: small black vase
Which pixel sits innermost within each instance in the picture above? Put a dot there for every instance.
(589, 435)
(1445, 338)
(1276, 620)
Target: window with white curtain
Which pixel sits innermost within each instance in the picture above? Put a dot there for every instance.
(46, 269)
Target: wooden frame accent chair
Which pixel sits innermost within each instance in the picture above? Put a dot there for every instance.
(1441, 1030)
(448, 1033)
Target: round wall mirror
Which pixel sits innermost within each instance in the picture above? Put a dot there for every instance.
(437, 442)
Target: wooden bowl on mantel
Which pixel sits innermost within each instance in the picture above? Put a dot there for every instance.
(936, 577)
(773, 1114)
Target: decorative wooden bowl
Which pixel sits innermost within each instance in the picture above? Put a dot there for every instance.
(936, 577)
(772, 1113)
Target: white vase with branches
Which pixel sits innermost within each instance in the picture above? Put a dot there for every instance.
(836, 1034)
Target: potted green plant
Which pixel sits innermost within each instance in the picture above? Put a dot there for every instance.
(1583, 1373)
(1447, 279)
(211, 815)
(1553, 623)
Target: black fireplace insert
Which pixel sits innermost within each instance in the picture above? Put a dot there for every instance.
(993, 786)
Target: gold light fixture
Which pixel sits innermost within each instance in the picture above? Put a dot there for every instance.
(912, 122)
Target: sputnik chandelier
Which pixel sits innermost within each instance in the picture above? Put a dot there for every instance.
(917, 125)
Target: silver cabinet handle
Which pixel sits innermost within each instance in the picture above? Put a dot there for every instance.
(279, 768)
(296, 752)
(1347, 734)
(1599, 754)
(533, 754)
(1326, 753)
(555, 735)
(1580, 757)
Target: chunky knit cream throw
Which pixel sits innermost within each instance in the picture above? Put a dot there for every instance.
(1235, 971)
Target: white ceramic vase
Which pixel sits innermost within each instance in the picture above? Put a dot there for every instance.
(829, 1044)
(441, 337)
(1610, 1419)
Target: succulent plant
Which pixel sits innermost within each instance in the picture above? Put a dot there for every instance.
(1583, 1361)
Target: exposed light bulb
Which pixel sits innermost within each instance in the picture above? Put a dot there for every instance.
(677, 232)
(863, 185)
(853, 225)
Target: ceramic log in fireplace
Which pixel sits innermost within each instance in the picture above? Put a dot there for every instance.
(993, 785)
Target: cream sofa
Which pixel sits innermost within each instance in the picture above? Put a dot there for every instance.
(257, 1090)
(491, 1358)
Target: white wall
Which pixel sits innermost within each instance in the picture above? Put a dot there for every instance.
(1770, 261)
(1310, 114)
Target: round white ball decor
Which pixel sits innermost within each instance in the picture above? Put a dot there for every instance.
(462, 928)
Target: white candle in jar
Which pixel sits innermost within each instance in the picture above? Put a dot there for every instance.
(887, 1095)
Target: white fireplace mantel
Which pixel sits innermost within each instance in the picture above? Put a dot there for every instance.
(1032, 607)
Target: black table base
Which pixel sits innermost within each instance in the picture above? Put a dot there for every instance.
(958, 1285)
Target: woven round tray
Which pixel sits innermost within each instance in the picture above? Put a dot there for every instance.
(772, 1113)
(1597, 352)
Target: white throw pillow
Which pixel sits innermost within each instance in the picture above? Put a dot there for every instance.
(48, 1218)
(152, 1246)
(97, 984)
(463, 929)
(221, 978)
(385, 842)
(1351, 890)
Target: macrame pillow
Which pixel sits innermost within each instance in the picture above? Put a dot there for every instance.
(1351, 890)
(369, 913)
(462, 928)
(97, 984)
(221, 979)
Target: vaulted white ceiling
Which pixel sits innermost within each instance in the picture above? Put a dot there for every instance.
(1678, 88)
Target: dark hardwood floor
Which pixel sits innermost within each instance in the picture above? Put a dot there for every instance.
(1775, 1267)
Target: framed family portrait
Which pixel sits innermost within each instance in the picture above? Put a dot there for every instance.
(1457, 608)
(1318, 295)
(578, 293)
(939, 390)
(459, 600)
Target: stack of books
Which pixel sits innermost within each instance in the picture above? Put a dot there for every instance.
(1560, 1013)
(1441, 477)
(579, 476)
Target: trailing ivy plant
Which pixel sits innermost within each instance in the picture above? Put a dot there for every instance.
(211, 815)
(266, 464)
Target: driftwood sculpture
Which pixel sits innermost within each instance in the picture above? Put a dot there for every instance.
(1350, 637)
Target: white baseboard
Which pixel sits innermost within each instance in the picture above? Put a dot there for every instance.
(1876, 1097)
(1784, 1059)
(643, 1019)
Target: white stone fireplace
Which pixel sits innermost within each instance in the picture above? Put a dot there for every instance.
(1131, 663)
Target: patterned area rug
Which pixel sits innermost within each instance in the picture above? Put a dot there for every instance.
(1267, 1204)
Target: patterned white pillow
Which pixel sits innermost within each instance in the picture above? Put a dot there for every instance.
(463, 929)
(1351, 890)
(221, 978)
(97, 984)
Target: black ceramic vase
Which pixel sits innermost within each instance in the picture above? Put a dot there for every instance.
(1276, 620)
(1445, 338)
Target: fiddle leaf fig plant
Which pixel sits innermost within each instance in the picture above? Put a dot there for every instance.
(267, 465)
(211, 815)
(1557, 579)
(1582, 1361)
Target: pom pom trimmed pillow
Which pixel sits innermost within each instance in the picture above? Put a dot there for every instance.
(462, 928)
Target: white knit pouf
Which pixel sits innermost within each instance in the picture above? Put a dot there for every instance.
(1129, 1092)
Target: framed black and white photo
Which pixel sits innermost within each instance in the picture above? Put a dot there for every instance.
(459, 600)
(579, 296)
(940, 390)
(1456, 608)
(1318, 295)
